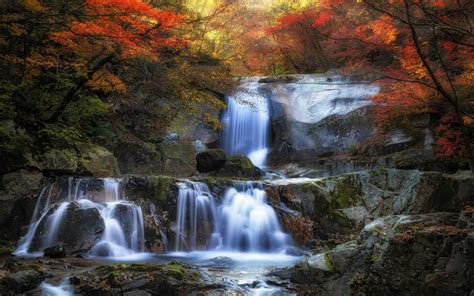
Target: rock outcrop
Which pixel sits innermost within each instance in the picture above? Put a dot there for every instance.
(429, 254)
(344, 204)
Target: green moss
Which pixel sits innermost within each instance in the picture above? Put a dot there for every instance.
(161, 187)
(328, 262)
(175, 269)
(5, 251)
(341, 219)
(346, 193)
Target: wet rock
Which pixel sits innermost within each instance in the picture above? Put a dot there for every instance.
(346, 203)
(211, 160)
(170, 279)
(178, 158)
(56, 251)
(23, 281)
(79, 230)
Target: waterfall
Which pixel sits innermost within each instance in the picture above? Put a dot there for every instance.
(243, 221)
(123, 232)
(246, 123)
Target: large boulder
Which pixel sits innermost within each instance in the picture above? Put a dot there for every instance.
(78, 231)
(23, 281)
(211, 160)
(239, 166)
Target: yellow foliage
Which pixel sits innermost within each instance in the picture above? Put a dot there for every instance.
(468, 120)
(33, 5)
(16, 30)
(107, 82)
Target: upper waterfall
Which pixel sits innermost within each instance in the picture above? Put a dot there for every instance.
(247, 123)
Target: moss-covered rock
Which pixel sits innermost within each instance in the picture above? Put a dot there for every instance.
(96, 161)
(59, 161)
(238, 166)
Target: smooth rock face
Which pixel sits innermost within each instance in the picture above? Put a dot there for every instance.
(80, 229)
(313, 115)
(211, 160)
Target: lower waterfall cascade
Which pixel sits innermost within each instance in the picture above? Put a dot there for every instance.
(241, 222)
(118, 239)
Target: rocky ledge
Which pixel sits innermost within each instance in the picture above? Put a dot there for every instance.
(431, 254)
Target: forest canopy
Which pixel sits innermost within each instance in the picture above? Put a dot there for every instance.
(102, 71)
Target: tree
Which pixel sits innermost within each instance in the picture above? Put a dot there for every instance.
(110, 31)
(419, 51)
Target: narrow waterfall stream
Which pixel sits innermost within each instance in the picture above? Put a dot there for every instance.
(247, 123)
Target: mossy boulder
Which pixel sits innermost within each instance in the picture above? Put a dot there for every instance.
(238, 166)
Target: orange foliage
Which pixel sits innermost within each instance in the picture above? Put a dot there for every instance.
(133, 28)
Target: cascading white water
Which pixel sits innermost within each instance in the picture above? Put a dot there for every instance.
(196, 209)
(123, 221)
(246, 123)
(242, 222)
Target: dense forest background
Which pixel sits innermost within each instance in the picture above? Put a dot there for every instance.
(110, 71)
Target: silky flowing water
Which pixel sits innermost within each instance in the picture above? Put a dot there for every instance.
(236, 237)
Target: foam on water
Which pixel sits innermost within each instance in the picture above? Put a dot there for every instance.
(118, 239)
(241, 222)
